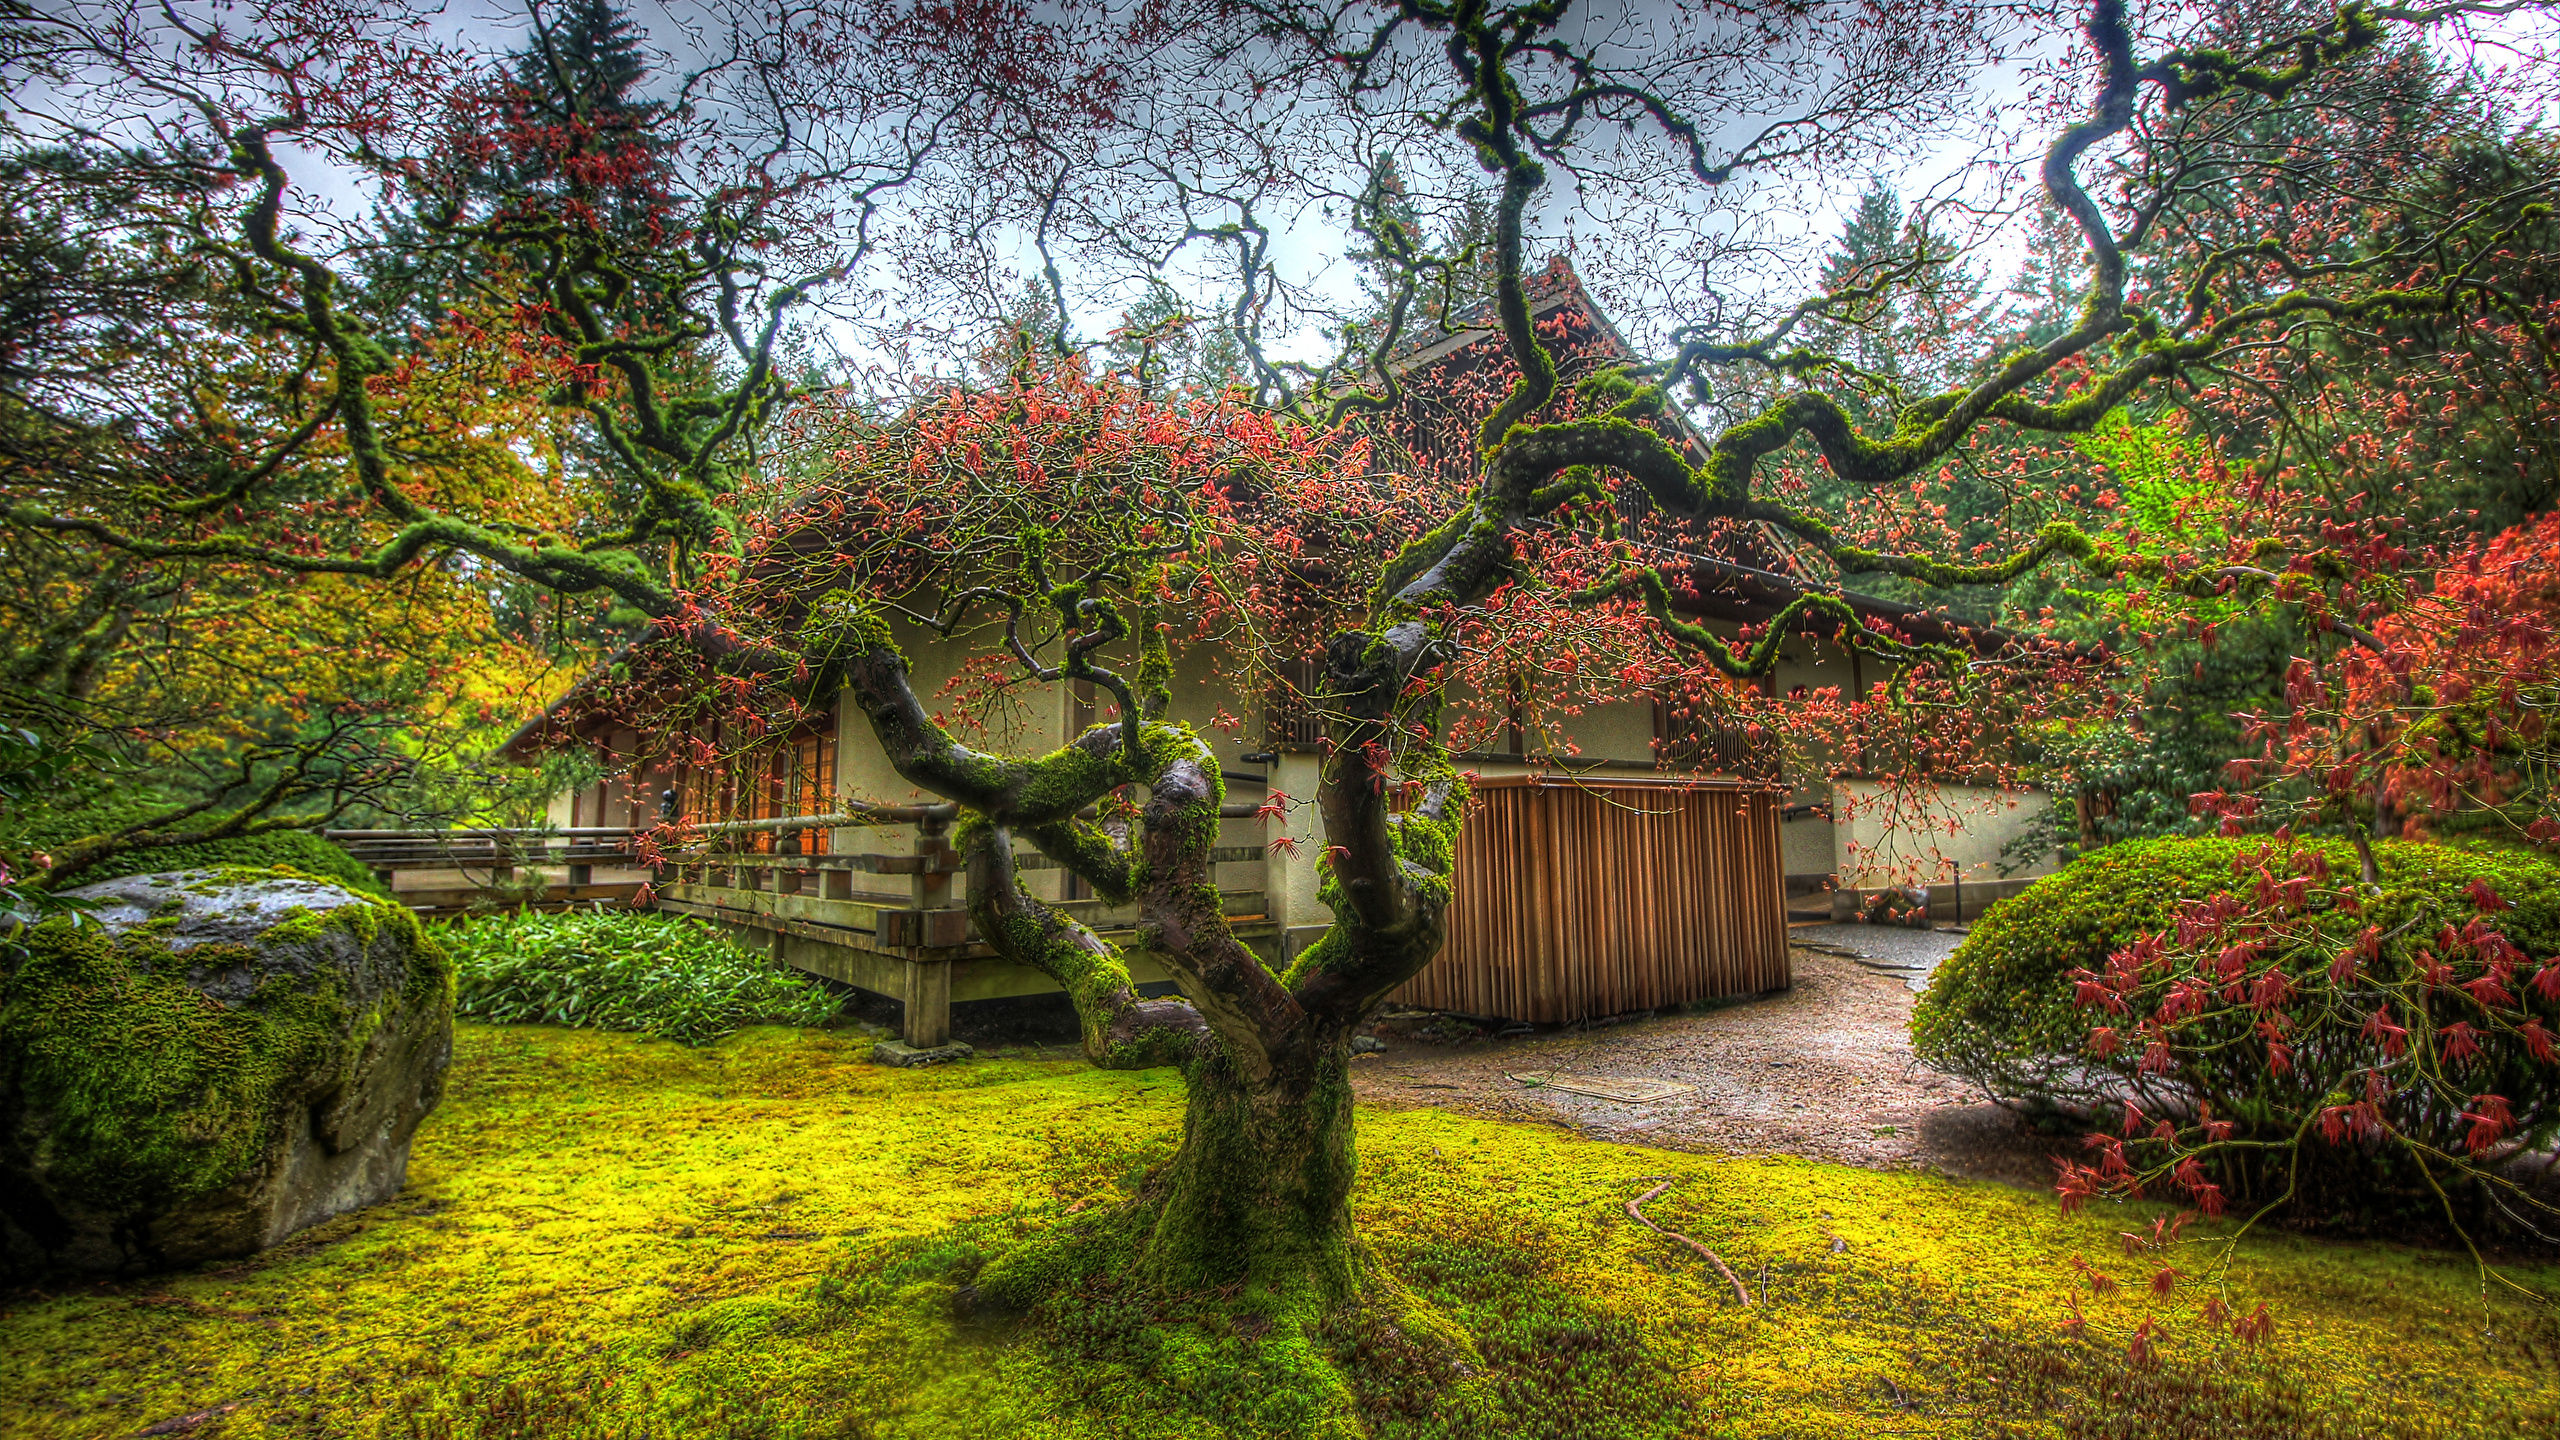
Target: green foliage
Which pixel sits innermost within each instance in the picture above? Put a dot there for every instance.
(1999, 1011)
(2131, 785)
(678, 979)
(294, 849)
(2158, 473)
(153, 1092)
(2138, 772)
(2002, 1011)
(31, 766)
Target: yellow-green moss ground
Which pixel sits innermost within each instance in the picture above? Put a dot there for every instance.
(605, 1236)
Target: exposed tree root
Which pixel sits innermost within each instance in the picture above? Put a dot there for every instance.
(1635, 1212)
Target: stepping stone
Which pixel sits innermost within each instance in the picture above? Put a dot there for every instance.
(903, 1056)
(1630, 1090)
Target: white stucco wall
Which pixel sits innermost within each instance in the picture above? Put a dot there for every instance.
(1810, 846)
(1290, 872)
(1958, 830)
(1603, 732)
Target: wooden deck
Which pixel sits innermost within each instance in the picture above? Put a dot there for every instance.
(842, 939)
(890, 923)
(830, 916)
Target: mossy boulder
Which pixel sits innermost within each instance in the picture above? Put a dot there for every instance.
(206, 1063)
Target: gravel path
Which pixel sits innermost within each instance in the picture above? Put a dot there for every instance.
(1822, 1070)
(1894, 949)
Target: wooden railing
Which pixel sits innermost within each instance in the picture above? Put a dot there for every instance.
(931, 909)
(486, 864)
(826, 913)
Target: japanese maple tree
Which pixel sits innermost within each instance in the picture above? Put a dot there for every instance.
(1256, 1200)
(1087, 524)
(539, 369)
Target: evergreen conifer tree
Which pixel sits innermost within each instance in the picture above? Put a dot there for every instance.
(577, 139)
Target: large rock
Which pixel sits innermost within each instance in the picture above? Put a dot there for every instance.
(225, 1057)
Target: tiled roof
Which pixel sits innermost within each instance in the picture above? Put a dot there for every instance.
(1548, 290)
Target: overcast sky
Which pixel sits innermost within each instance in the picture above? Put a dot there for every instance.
(1970, 166)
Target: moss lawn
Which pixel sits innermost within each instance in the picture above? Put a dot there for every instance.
(611, 1236)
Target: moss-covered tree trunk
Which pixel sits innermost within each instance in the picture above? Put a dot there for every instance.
(1259, 1195)
(1257, 1198)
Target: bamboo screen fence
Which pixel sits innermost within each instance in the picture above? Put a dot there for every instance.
(1584, 897)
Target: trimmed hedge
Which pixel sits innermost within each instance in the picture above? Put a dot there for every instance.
(2001, 1011)
(676, 978)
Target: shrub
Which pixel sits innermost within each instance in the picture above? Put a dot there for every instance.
(679, 979)
(1999, 1011)
(2257, 1013)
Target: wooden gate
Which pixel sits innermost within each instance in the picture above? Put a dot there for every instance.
(1582, 897)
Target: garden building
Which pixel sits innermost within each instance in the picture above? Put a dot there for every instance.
(1617, 859)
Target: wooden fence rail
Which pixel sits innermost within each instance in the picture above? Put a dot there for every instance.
(1585, 897)
(449, 871)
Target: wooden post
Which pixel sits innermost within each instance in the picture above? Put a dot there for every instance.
(927, 1003)
(932, 884)
(928, 981)
(1858, 686)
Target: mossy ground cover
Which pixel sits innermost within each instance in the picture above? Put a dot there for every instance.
(607, 1235)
